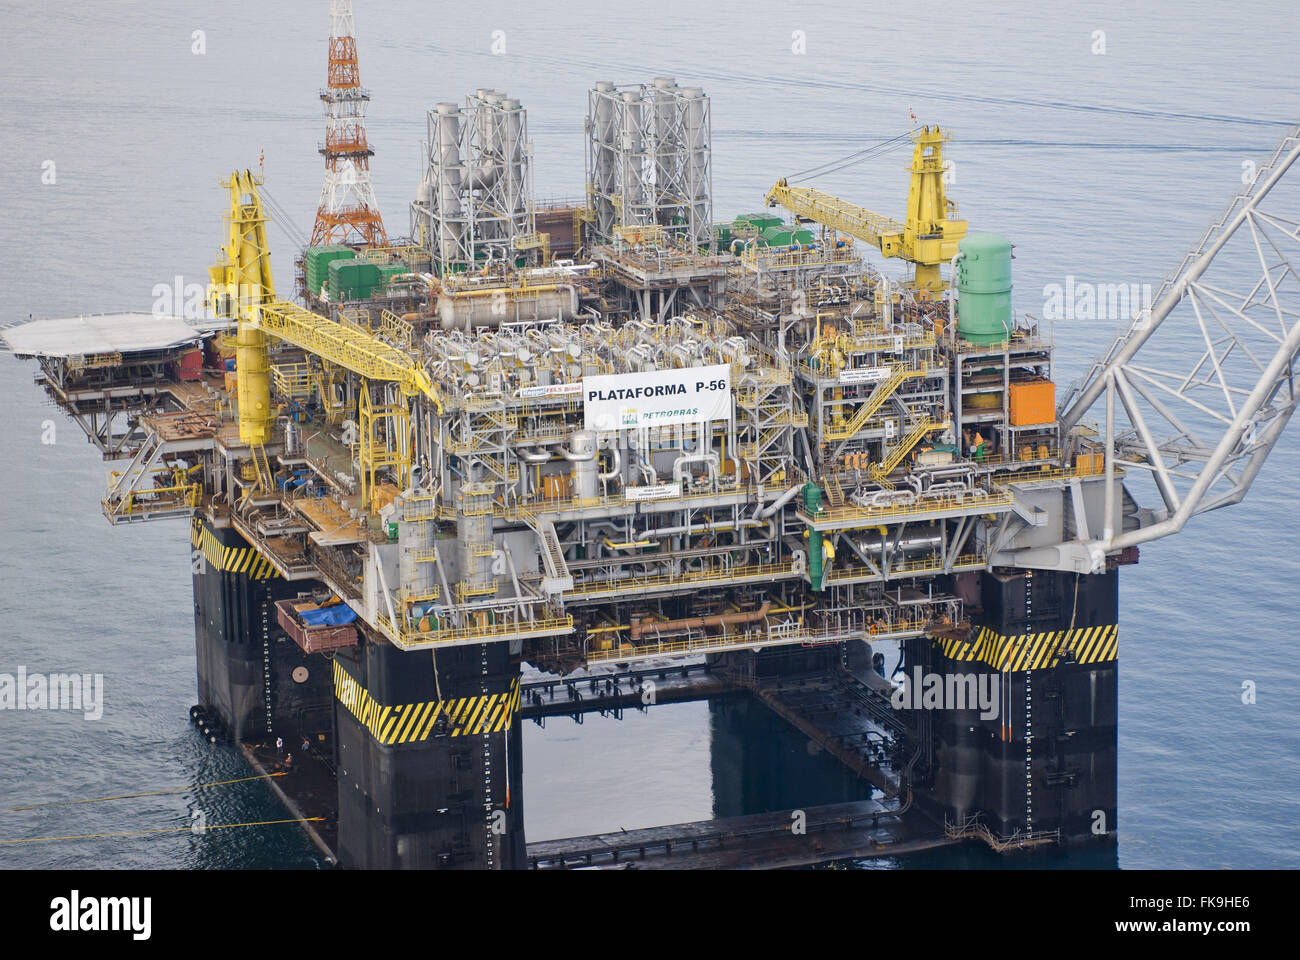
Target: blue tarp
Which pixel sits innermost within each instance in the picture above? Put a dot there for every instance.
(334, 616)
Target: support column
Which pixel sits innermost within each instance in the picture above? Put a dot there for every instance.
(430, 758)
(1047, 760)
(251, 677)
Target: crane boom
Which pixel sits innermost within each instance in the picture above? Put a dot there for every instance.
(344, 346)
(245, 290)
(927, 239)
(1206, 377)
(849, 219)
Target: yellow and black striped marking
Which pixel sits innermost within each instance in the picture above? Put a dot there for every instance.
(233, 559)
(1035, 651)
(413, 722)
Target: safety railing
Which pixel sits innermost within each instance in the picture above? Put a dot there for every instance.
(761, 571)
(927, 565)
(853, 514)
(514, 629)
(291, 380)
(157, 499)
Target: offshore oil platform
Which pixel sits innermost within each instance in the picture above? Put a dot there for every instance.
(658, 456)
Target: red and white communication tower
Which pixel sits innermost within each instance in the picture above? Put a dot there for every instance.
(348, 212)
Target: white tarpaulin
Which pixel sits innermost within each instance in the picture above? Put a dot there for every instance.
(657, 398)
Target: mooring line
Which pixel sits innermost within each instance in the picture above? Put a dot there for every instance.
(189, 829)
(153, 793)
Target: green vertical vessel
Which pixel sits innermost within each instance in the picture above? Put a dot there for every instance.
(984, 288)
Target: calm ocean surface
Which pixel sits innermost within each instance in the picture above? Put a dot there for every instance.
(1104, 167)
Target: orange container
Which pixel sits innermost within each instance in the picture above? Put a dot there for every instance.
(1032, 402)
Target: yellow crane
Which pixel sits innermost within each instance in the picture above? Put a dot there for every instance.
(241, 283)
(243, 289)
(927, 239)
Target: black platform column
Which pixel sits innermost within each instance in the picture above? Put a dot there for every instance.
(234, 589)
(251, 677)
(1046, 763)
(430, 760)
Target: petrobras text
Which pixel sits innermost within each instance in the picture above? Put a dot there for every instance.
(657, 398)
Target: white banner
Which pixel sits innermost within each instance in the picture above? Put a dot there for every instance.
(554, 390)
(657, 398)
(663, 491)
(865, 375)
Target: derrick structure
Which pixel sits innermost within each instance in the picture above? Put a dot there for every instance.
(348, 212)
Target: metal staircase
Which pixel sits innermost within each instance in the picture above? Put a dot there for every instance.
(558, 579)
(834, 493)
(873, 403)
(883, 469)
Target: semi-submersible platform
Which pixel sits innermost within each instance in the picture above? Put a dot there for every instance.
(659, 456)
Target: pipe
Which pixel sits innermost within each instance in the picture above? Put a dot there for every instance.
(779, 502)
(518, 291)
(926, 540)
(708, 527)
(711, 459)
(533, 457)
(615, 470)
(580, 457)
(696, 623)
(628, 545)
(952, 300)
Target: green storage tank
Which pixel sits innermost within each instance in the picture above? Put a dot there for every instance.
(984, 288)
(812, 501)
(317, 261)
(319, 258)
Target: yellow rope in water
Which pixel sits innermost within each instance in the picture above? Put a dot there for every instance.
(154, 793)
(190, 829)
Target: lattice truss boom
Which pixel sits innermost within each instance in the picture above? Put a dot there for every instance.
(1196, 390)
